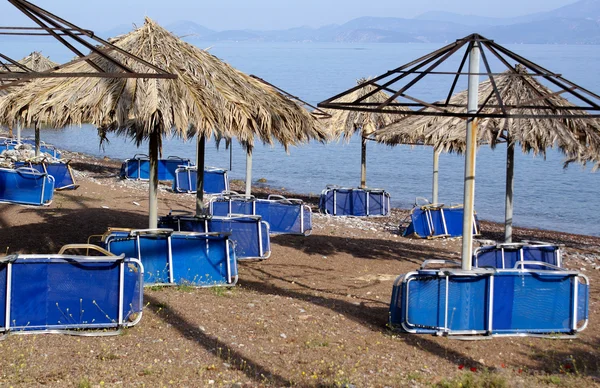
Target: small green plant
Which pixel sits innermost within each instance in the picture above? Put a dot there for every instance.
(155, 288)
(552, 380)
(185, 287)
(84, 383)
(471, 380)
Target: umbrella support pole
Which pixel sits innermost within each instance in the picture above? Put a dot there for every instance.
(37, 139)
(153, 184)
(19, 133)
(363, 163)
(510, 170)
(469, 192)
(200, 174)
(436, 170)
(249, 171)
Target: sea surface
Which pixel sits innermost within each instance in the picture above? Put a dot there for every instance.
(546, 195)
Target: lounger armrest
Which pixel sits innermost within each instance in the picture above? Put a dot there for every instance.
(176, 157)
(520, 263)
(139, 232)
(29, 170)
(140, 156)
(537, 242)
(421, 201)
(276, 197)
(85, 246)
(442, 262)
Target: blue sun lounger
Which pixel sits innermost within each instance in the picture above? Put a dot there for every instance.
(176, 258)
(506, 255)
(249, 233)
(60, 170)
(357, 202)
(186, 178)
(437, 220)
(138, 167)
(494, 302)
(284, 215)
(60, 293)
(26, 186)
(44, 148)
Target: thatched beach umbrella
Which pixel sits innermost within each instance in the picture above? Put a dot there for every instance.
(577, 138)
(472, 50)
(345, 123)
(38, 63)
(208, 98)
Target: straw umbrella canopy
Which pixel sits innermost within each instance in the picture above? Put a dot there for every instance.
(208, 98)
(578, 139)
(38, 63)
(343, 124)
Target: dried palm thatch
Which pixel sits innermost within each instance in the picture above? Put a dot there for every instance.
(37, 62)
(577, 138)
(345, 123)
(208, 97)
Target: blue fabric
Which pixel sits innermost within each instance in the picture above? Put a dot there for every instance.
(215, 181)
(523, 302)
(63, 179)
(197, 260)
(68, 294)
(354, 202)
(283, 217)
(491, 256)
(23, 187)
(46, 149)
(420, 227)
(139, 168)
(243, 231)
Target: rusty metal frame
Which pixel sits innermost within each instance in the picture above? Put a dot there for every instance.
(70, 35)
(396, 83)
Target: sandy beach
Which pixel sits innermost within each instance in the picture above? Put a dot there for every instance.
(312, 315)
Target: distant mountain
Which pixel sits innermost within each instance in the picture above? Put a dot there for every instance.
(577, 23)
(186, 28)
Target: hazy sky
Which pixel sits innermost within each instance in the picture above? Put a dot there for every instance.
(263, 14)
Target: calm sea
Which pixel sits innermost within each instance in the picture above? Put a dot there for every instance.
(546, 196)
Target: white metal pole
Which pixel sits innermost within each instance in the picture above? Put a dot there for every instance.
(18, 133)
(363, 163)
(249, 170)
(436, 170)
(510, 169)
(153, 190)
(471, 142)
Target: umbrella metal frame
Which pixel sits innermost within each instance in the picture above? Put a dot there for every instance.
(397, 82)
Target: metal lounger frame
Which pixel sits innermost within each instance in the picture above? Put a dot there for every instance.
(33, 171)
(69, 329)
(520, 246)
(231, 196)
(385, 196)
(263, 255)
(189, 170)
(446, 273)
(231, 280)
(139, 158)
(428, 208)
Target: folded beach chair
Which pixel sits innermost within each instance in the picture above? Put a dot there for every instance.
(357, 202)
(437, 220)
(61, 293)
(284, 215)
(186, 178)
(507, 255)
(249, 233)
(170, 257)
(138, 167)
(516, 301)
(26, 186)
(11, 144)
(59, 169)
